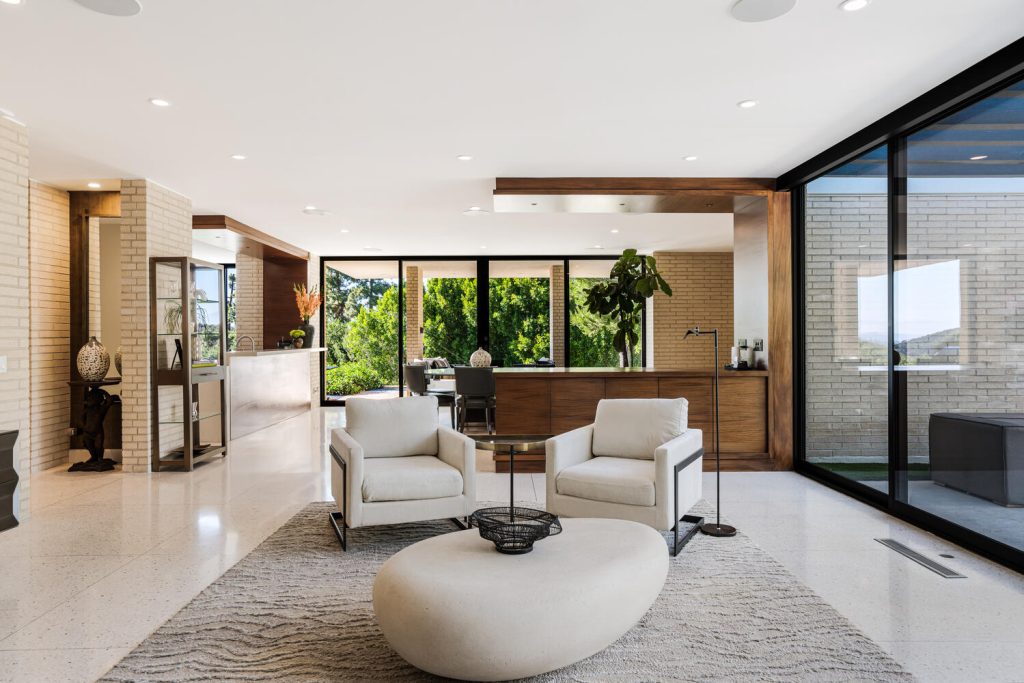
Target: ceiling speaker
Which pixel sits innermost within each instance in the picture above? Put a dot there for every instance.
(115, 8)
(761, 10)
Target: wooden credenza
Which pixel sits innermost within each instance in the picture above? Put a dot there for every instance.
(556, 400)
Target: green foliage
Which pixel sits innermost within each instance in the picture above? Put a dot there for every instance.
(371, 337)
(634, 279)
(449, 318)
(590, 334)
(520, 319)
(295, 334)
(352, 378)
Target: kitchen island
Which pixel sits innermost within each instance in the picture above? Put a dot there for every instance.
(267, 386)
(556, 400)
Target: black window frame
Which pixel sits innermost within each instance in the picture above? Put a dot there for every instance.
(989, 76)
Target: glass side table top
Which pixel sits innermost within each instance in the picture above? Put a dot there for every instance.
(510, 443)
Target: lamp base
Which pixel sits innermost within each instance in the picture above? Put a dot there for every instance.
(721, 530)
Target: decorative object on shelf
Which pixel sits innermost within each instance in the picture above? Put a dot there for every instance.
(716, 528)
(117, 361)
(634, 279)
(760, 359)
(93, 361)
(95, 406)
(8, 480)
(297, 338)
(308, 302)
(514, 530)
(480, 359)
(179, 355)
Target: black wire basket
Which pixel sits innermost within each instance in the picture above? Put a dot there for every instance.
(514, 530)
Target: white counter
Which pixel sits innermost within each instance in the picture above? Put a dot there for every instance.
(267, 386)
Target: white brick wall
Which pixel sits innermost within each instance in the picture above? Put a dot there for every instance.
(249, 301)
(14, 299)
(847, 408)
(154, 222)
(50, 324)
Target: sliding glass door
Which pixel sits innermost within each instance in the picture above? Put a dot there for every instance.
(522, 295)
(912, 325)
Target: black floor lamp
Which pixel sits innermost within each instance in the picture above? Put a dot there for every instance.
(716, 528)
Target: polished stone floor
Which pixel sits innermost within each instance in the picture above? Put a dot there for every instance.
(106, 558)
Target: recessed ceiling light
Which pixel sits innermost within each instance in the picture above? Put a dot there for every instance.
(465, 157)
(344, 231)
(115, 8)
(239, 157)
(311, 210)
(474, 211)
(615, 231)
(11, 2)
(597, 246)
(761, 10)
(690, 158)
(483, 246)
(853, 5)
(158, 102)
(979, 157)
(371, 248)
(746, 104)
(94, 186)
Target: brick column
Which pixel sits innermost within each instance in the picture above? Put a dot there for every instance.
(14, 299)
(557, 315)
(249, 298)
(154, 222)
(413, 313)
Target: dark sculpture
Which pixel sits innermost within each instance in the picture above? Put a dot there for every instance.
(95, 407)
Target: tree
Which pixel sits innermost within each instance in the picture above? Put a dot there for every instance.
(520, 319)
(371, 337)
(634, 279)
(449, 318)
(590, 334)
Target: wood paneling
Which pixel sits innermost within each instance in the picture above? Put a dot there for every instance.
(247, 239)
(280, 316)
(631, 185)
(780, 330)
(523, 405)
(630, 387)
(574, 402)
(744, 405)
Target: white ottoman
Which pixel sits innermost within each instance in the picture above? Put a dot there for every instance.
(452, 605)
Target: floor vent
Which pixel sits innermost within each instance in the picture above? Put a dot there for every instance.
(942, 570)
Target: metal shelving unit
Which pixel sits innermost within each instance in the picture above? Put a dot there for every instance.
(187, 359)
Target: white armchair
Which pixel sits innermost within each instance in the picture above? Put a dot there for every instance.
(638, 461)
(395, 463)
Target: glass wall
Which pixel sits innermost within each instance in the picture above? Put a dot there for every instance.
(231, 303)
(361, 320)
(591, 334)
(913, 325)
(959, 323)
(442, 302)
(846, 328)
(520, 294)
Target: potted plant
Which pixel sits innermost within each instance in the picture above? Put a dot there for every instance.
(634, 279)
(297, 338)
(308, 303)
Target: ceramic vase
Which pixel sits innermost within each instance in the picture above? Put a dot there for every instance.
(480, 359)
(310, 334)
(93, 361)
(117, 361)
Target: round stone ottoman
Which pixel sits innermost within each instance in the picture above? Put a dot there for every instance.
(454, 606)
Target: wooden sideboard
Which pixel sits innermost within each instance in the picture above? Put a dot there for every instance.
(556, 400)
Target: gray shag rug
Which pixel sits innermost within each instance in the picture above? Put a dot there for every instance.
(299, 609)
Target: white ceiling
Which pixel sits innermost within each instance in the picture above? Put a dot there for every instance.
(361, 107)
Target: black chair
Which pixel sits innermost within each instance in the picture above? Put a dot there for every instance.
(416, 380)
(475, 390)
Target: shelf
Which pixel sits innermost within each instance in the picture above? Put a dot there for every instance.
(178, 456)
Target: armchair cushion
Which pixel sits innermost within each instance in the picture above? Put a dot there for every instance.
(636, 427)
(417, 477)
(629, 481)
(395, 427)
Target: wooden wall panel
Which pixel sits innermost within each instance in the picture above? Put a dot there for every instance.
(280, 316)
(524, 406)
(574, 402)
(780, 330)
(744, 404)
(631, 387)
